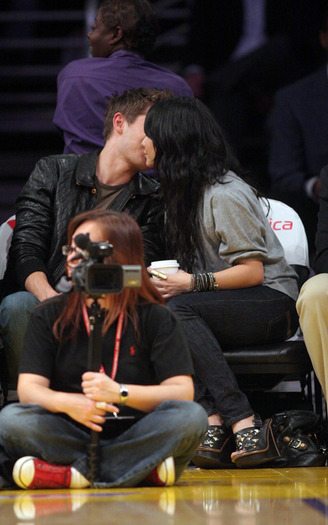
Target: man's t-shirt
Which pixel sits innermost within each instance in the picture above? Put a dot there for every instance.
(106, 194)
(160, 352)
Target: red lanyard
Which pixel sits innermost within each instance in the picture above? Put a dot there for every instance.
(117, 339)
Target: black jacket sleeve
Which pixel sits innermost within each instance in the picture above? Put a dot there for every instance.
(34, 221)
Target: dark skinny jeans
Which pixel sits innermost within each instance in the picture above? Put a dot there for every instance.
(226, 319)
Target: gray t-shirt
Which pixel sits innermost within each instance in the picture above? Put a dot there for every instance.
(234, 228)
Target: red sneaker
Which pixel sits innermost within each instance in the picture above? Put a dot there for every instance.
(163, 475)
(34, 473)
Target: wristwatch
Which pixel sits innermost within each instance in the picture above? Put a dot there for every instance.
(124, 394)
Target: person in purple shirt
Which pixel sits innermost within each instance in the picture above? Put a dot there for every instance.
(122, 34)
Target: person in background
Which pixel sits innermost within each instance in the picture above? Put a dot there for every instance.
(240, 52)
(312, 304)
(146, 371)
(298, 129)
(234, 287)
(123, 33)
(62, 186)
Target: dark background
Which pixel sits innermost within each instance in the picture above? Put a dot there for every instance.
(37, 39)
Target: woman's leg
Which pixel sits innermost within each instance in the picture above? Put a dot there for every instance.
(175, 429)
(30, 430)
(231, 318)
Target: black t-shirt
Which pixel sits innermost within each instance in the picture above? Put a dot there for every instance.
(161, 351)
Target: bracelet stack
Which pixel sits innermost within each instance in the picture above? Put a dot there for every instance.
(203, 282)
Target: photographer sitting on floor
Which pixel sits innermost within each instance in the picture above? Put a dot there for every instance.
(146, 371)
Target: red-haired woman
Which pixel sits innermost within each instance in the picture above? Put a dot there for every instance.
(146, 371)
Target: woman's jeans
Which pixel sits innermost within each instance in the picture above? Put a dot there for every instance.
(175, 429)
(226, 319)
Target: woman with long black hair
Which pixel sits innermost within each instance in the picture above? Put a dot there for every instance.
(146, 370)
(234, 287)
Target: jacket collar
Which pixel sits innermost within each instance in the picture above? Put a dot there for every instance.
(86, 168)
(140, 184)
(143, 184)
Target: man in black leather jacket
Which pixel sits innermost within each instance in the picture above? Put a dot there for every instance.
(60, 187)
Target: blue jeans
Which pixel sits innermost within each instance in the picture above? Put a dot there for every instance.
(15, 310)
(226, 319)
(175, 429)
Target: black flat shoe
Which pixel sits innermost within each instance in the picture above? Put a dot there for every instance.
(255, 446)
(215, 449)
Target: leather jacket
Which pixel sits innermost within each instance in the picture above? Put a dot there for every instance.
(60, 187)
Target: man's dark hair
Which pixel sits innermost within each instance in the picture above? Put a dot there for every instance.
(137, 20)
(131, 104)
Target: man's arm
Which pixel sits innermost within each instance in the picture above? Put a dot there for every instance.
(320, 264)
(34, 224)
(37, 284)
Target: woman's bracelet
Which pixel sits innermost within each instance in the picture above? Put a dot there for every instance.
(192, 283)
(203, 282)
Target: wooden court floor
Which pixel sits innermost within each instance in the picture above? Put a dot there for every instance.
(208, 497)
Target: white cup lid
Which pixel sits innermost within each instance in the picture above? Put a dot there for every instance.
(165, 264)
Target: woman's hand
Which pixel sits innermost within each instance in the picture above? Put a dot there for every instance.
(84, 411)
(100, 387)
(175, 284)
(35, 390)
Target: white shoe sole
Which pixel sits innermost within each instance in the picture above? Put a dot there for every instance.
(166, 471)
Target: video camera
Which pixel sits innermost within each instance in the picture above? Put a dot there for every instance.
(96, 278)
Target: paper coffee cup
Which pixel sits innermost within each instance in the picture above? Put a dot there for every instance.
(167, 267)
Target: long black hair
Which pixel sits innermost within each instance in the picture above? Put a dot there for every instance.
(191, 152)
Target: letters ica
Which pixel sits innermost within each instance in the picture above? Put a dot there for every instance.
(281, 225)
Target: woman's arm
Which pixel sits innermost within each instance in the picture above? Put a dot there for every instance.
(99, 387)
(34, 389)
(242, 275)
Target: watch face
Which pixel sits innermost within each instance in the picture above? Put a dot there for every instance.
(124, 392)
